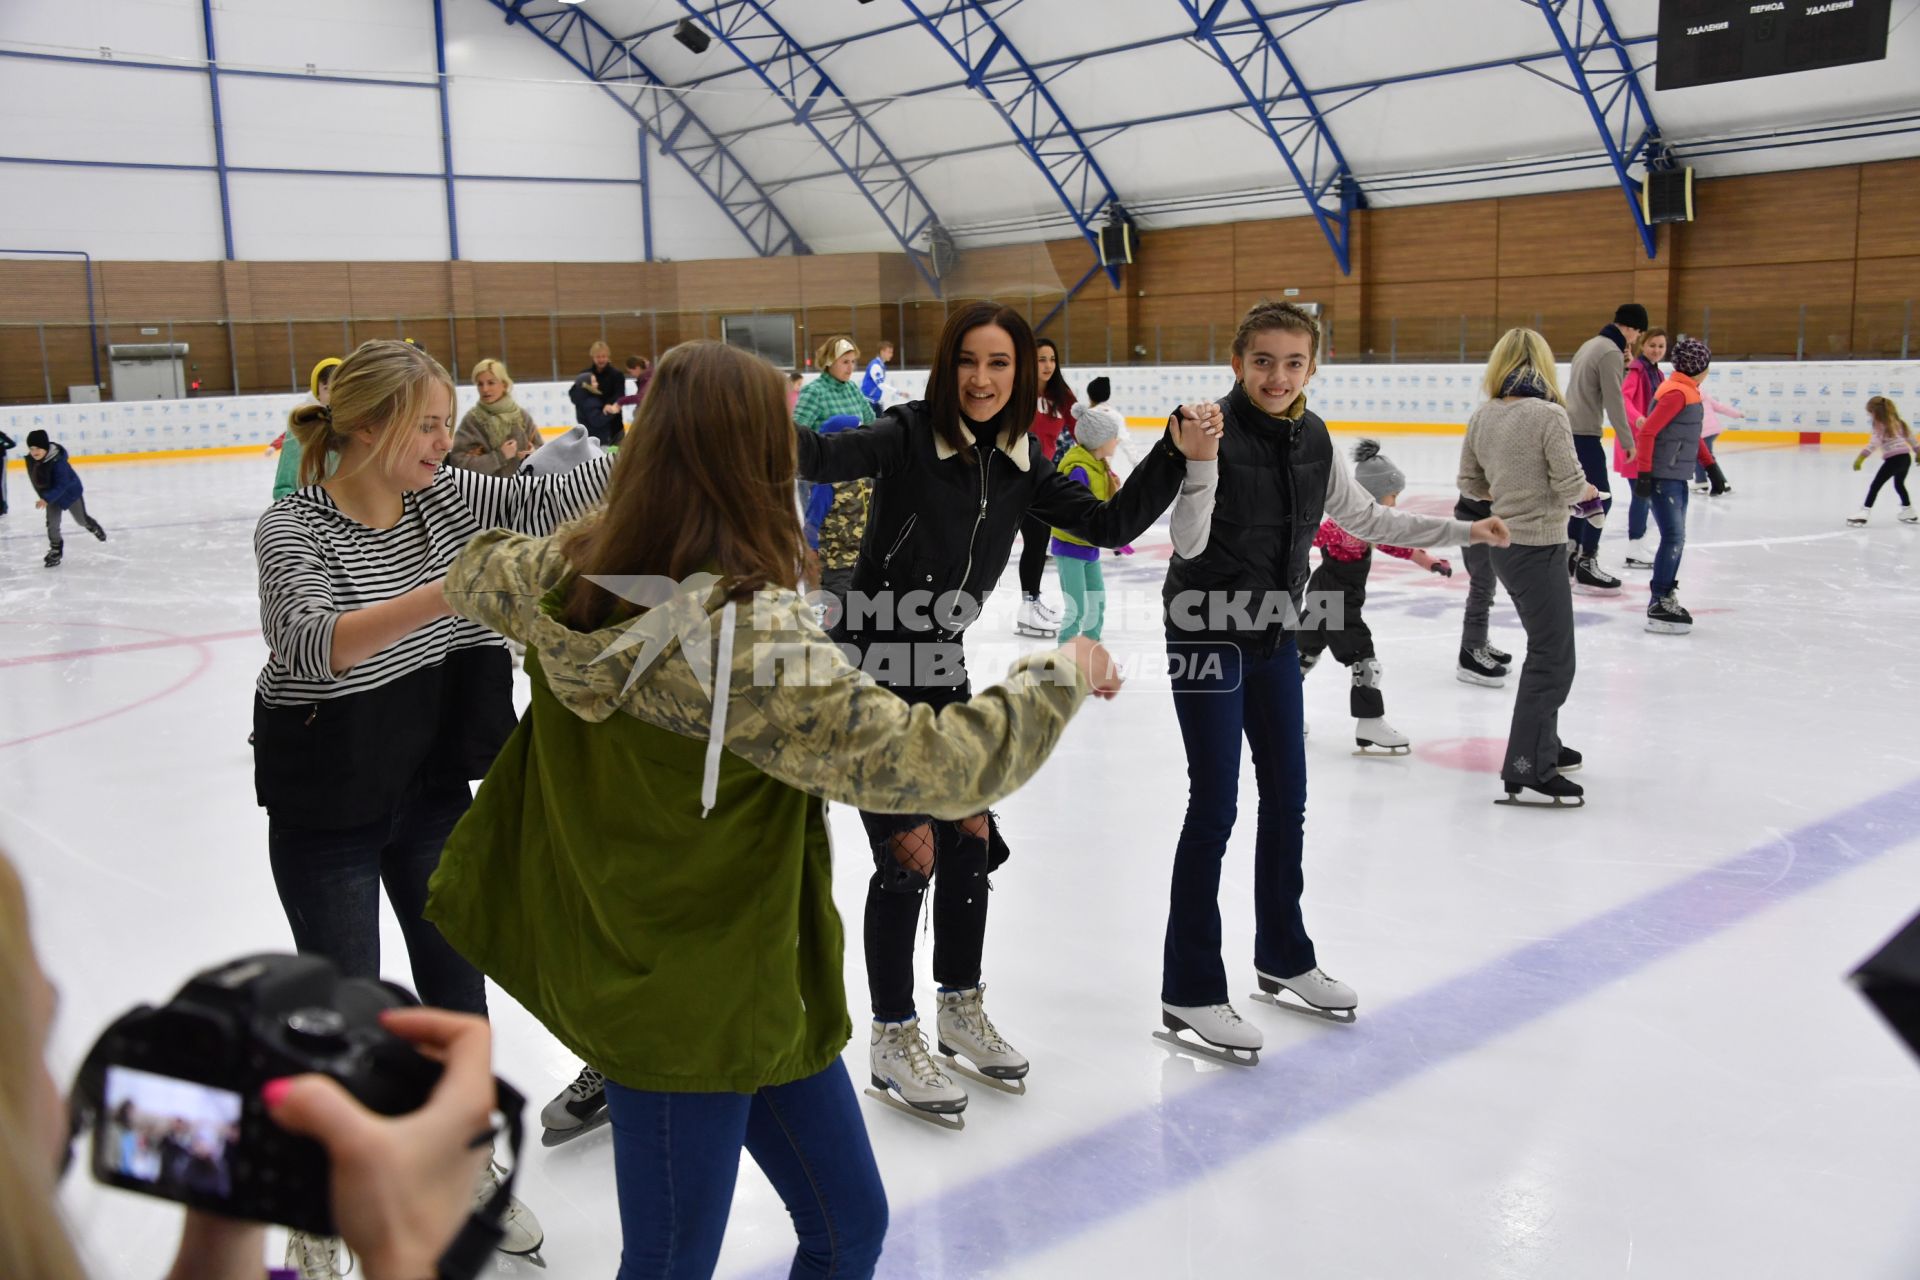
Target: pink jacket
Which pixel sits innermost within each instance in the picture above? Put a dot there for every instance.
(1711, 412)
(1638, 391)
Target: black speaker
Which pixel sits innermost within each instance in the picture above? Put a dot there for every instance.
(1117, 238)
(1667, 196)
(688, 33)
(944, 252)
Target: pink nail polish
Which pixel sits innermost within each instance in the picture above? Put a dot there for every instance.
(273, 1092)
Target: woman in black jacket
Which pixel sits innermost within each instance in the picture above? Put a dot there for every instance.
(954, 475)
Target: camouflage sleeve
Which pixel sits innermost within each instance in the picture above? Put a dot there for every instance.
(803, 714)
(500, 603)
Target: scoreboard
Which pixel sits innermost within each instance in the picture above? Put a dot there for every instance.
(1711, 41)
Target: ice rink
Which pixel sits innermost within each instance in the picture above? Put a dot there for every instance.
(1608, 1042)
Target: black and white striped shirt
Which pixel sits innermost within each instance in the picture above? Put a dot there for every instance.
(317, 563)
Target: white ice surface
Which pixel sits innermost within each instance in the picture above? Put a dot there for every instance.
(1734, 1109)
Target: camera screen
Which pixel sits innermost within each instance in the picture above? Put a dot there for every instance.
(172, 1135)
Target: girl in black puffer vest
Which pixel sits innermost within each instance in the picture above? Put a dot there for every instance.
(1238, 575)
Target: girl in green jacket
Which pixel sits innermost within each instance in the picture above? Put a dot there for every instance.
(646, 867)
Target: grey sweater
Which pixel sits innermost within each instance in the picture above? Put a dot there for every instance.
(1599, 368)
(1519, 454)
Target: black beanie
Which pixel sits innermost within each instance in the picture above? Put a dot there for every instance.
(1633, 316)
(1100, 390)
(38, 440)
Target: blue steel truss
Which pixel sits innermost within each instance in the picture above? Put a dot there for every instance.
(763, 46)
(602, 58)
(1288, 111)
(969, 30)
(1604, 75)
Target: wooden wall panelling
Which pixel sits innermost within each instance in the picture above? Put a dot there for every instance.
(595, 287)
(36, 290)
(410, 290)
(1004, 271)
(1810, 215)
(300, 290)
(1566, 309)
(69, 356)
(1184, 260)
(237, 295)
(161, 291)
(1567, 233)
(1188, 327)
(514, 288)
(21, 380)
(1425, 321)
(839, 279)
(1889, 209)
(1272, 255)
(1886, 307)
(1756, 309)
(740, 284)
(1434, 242)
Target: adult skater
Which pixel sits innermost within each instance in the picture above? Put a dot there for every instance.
(1051, 420)
(1519, 455)
(702, 969)
(1669, 445)
(376, 705)
(1240, 564)
(1346, 562)
(1893, 439)
(1480, 661)
(596, 394)
(955, 475)
(1593, 394)
(843, 522)
(496, 436)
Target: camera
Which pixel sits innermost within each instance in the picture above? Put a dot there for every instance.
(173, 1093)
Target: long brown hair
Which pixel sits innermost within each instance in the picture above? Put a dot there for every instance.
(704, 482)
(385, 385)
(943, 380)
(1887, 414)
(32, 1243)
(1058, 394)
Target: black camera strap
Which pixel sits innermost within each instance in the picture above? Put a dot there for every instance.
(472, 1249)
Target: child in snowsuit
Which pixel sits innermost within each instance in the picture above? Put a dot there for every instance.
(60, 490)
(1084, 461)
(1345, 562)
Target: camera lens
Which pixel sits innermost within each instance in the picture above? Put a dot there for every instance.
(322, 1029)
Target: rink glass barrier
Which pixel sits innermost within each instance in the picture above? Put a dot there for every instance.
(43, 363)
(1784, 402)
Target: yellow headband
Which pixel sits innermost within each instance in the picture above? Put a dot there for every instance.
(313, 379)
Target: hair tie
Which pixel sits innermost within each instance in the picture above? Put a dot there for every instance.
(326, 415)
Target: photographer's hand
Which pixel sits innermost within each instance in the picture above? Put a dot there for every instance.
(217, 1248)
(403, 1186)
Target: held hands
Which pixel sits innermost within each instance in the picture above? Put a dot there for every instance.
(1102, 673)
(1493, 531)
(403, 1186)
(1197, 429)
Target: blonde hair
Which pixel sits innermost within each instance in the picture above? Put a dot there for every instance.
(1640, 343)
(494, 367)
(601, 346)
(1287, 316)
(832, 349)
(384, 385)
(1883, 410)
(1522, 351)
(33, 1244)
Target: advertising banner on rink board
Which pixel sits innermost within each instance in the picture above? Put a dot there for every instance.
(1713, 41)
(1801, 397)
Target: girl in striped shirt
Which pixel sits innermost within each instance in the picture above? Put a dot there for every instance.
(1893, 439)
(377, 705)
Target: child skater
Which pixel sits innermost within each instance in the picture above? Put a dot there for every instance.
(60, 490)
(1345, 562)
(1894, 440)
(1712, 411)
(1085, 462)
(1636, 391)
(1667, 444)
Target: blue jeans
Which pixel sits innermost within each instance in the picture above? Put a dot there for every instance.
(329, 884)
(1258, 696)
(1593, 460)
(676, 1155)
(1670, 513)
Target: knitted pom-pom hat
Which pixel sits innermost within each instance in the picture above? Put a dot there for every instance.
(1691, 357)
(1375, 473)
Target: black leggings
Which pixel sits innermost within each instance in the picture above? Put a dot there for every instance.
(1894, 469)
(1034, 533)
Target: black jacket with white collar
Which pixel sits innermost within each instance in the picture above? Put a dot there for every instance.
(941, 523)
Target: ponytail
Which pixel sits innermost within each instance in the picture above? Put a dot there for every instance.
(312, 426)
